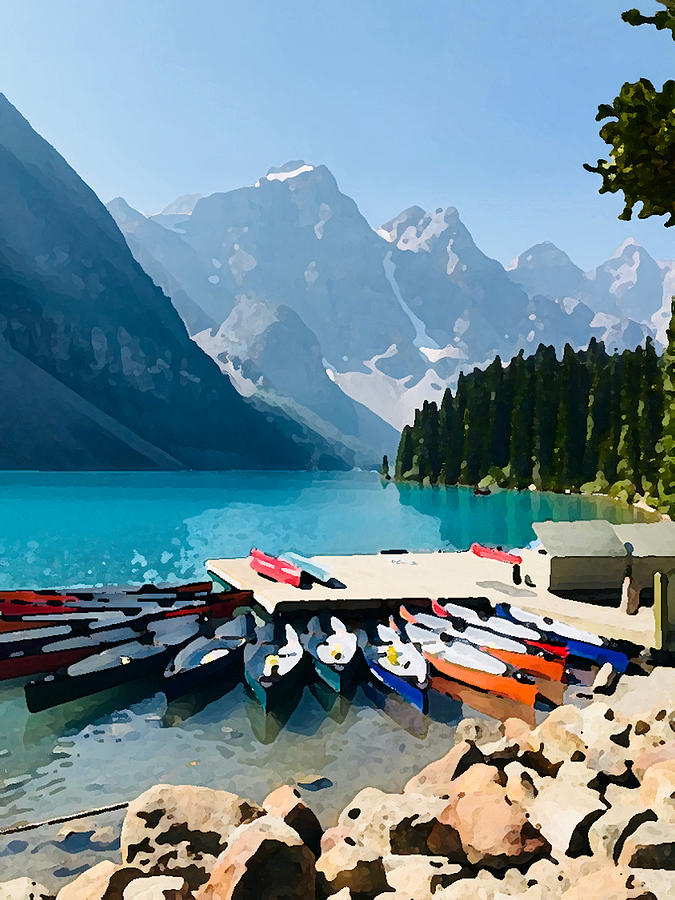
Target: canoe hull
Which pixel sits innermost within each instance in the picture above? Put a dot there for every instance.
(224, 670)
(502, 685)
(412, 693)
(275, 694)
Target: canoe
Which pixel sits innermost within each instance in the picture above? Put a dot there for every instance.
(507, 649)
(58, 653)
(530, 637)
(313, 569)
(27, 602)
(333, 651)
(217, 660)
(273, 665)
(498, 555)
(582, 644)
(112, 667)
(397, 665)
(466, 663)
(276, 569)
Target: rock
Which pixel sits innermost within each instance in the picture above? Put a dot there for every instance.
(484, 886)
(344, 894)
(521, 783)
(478, 731)
(565, 808)
(266, 859)
(285, 803)
(417, 877)
(606, 680)
(345, 864)
(494, 831)
(647, 757)
(389, 823)
(24, 889)
(171, 830)
(657, 790)
(651, 846)
(157, 887)
(609, 881)
(627, 811)
(104, 881)
(434, 778)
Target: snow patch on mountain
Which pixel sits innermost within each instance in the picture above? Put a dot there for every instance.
(421, 335)
(283, 174)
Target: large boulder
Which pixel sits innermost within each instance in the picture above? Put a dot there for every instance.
(104, 881)
(24, 889)
(565, 808)
(493, 829)
(266, 859)
(389, 823)
(171, 830)
(479, 731)
(435, 778)
(484, 886)
(651, 846)
(285, 803)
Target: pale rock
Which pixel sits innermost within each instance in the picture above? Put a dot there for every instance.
(157, 887)
(416, 877)
(344, 894)
(285, 803)
(24, 889)
(104, 881)
(390, 823)
(345, 864)
(478, 731)
(565, 808)
(606, 679)
(484, 886)
(494, 830)
(610, 881)
(435, 778)
(521, 783)
(658, 789)
(627, 811)
(181, 830)
(265, 859)
(651, 846)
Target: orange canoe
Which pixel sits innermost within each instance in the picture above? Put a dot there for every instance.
(503, 685)
(527, 662)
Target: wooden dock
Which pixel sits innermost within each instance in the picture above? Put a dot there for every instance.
(377, 581)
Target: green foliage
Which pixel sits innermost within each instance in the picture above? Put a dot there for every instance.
(661, 20)
(641, 134)
(384, 468)
(666, 477)
(584, 422)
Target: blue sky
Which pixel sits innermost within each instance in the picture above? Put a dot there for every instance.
(488, 106)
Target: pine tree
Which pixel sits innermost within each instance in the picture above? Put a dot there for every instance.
(650, 417)
(520, 453)
(404, 457)
(545, 414)
(446, 429)
(597, 416)
(667, 464)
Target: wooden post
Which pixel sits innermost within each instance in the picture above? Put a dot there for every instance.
(664, 610)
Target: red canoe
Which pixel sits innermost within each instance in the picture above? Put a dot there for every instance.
(498, 555)
(276, 569)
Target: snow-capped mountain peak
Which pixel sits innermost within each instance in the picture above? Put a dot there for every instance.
(289, 170)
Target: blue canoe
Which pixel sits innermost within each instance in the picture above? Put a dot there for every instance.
(580, 644)
(411, 681)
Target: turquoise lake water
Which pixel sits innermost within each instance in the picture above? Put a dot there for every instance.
(94, 528)
(62, 529)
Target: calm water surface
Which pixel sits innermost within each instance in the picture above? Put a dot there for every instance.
(93, 528)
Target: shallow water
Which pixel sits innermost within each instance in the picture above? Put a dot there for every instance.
(94, 528)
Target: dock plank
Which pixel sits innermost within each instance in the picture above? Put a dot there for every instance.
(377, 579)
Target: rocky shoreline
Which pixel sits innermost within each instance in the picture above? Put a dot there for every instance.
(581, 806)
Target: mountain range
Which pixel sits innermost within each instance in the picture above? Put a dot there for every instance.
(268, 326)
(349, 328)
(96, 367)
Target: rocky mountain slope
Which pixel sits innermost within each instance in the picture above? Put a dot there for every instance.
(98, 369)
(389, 317)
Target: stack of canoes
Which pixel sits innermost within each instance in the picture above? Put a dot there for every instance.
(190, 637)
(288, 568)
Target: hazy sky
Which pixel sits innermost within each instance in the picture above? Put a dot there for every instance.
(488, 106)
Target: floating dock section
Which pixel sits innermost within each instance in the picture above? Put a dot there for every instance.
(381, 581)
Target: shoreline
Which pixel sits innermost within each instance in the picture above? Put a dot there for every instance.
(580, 805)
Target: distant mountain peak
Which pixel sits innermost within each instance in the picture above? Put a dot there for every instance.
(544, 253)
(291, 169)
(621, 249)
(415, 228)
(182, 206)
